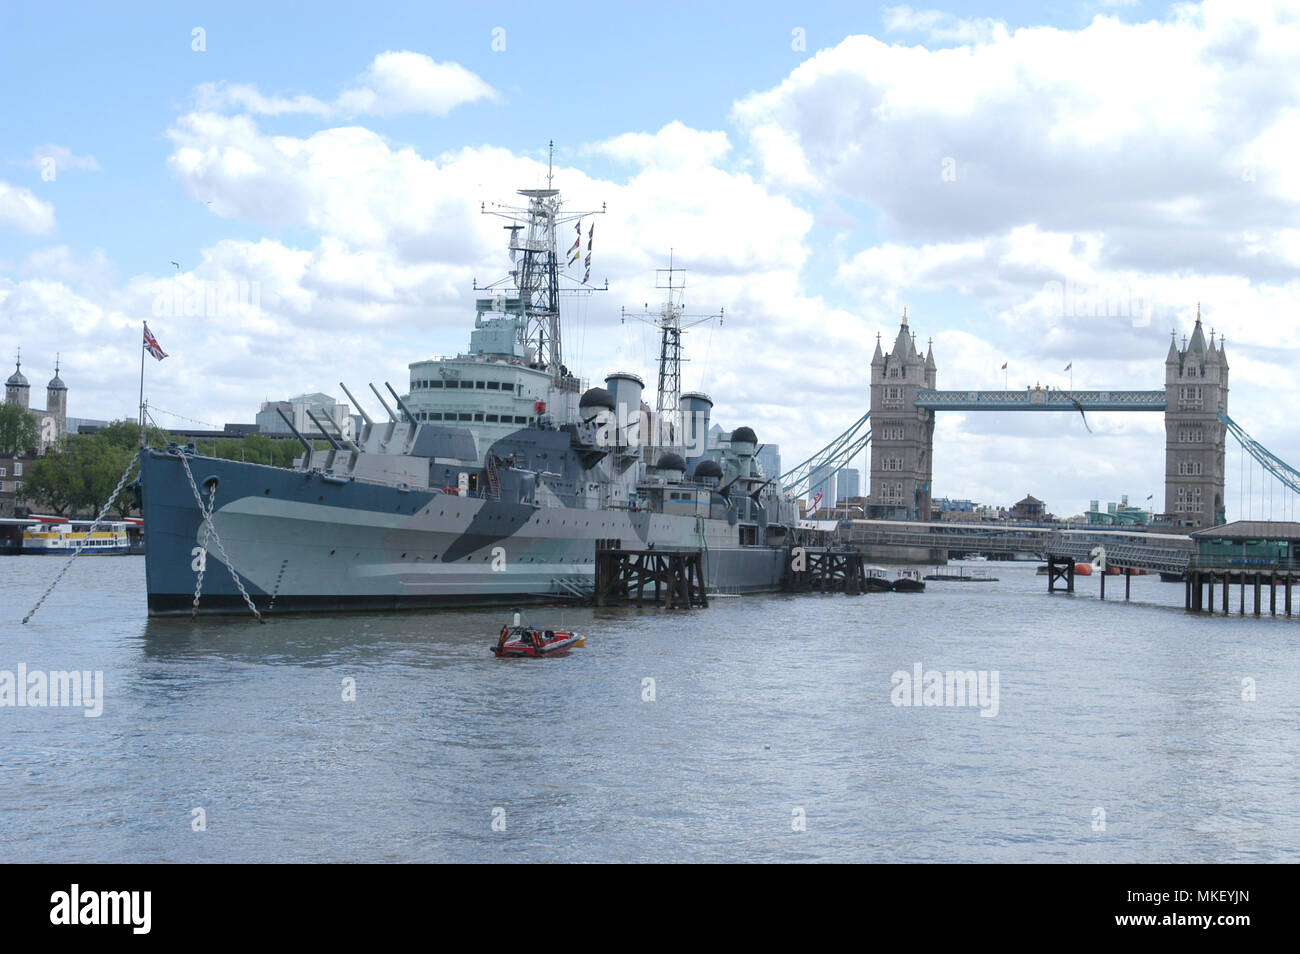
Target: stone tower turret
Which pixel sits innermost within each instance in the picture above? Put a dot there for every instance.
(56, 401)
(17, 390)
(902, 435)
(1196, 391)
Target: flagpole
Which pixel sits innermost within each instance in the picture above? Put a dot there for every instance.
(146, 328)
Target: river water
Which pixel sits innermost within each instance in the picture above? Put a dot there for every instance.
(760, 729)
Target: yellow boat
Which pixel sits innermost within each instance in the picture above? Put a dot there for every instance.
(56, 538)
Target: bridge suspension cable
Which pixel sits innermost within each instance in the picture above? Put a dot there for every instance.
(834, 456)
(1271, 466)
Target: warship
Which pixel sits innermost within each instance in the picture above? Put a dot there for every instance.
(493, 480)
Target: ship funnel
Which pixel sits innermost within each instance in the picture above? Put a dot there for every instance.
(695, 407)
(625, 388)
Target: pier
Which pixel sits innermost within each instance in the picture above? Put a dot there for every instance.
(675, 577)
(824, 571)
(1202, 583)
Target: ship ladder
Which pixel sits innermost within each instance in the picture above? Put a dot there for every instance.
(578, 589)
(493, 477)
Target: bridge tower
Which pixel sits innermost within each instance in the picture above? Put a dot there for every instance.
(1196, 390)
(902, 435)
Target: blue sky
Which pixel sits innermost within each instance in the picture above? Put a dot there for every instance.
(1102, 146)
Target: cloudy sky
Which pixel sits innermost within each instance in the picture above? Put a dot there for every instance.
(816, 172)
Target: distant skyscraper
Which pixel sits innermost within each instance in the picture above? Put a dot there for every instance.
(848, 484)
(769, 458)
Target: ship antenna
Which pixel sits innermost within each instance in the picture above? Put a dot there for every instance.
(550, 160)
(671, 321)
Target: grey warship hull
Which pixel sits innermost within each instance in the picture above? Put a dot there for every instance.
(301, 541)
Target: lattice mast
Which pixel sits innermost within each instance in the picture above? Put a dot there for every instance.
(536, 276)
(671, 319)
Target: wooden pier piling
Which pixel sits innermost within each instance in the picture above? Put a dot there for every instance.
(677, 577)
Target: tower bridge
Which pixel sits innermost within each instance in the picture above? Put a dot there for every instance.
(1194, 401)
(899, 427)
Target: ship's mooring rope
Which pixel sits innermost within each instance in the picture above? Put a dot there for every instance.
(211, 529)
(91, 529)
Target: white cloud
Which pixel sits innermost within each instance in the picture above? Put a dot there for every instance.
(62, 264)
(941, 27)
(21, 210)
(244, 97)
(58, 159)
(406, 82)
(1185, 126)
(674, 146)
(395, 83)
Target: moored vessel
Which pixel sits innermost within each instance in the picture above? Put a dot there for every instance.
(494, 479)
(55, 537)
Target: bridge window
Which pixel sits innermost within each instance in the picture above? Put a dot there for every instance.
(494, 385)
(436, 383)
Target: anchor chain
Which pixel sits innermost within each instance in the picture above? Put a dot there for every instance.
(203, 556)
(212, 529)
(81, 546)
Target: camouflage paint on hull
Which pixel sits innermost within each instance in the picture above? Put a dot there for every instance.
(302, 543)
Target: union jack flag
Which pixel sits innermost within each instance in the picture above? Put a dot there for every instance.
(151, 344)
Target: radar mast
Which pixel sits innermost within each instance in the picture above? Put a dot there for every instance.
(536, 276)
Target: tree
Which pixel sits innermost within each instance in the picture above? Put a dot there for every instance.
(126, 435)
(18, 432)
(77, 477)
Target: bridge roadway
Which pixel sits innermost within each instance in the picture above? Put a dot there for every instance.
(1138, 549)
(1042, 399)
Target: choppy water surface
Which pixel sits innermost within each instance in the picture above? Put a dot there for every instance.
(762, 707)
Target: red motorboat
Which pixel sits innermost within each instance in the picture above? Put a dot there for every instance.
(517, 639)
